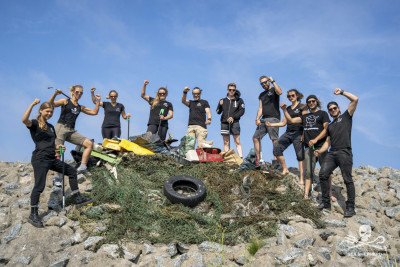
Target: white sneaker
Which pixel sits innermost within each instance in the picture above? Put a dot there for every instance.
(206, 145)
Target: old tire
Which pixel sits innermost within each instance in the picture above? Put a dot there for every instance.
(185, 189)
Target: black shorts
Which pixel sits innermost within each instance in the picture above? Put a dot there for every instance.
(230, 128)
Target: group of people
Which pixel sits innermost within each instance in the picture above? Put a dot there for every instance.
(309, 129)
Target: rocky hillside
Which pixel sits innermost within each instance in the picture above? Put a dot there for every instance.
(371, 238)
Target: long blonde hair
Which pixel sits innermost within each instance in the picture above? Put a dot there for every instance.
(39, 118)
(73, 87)
(157, 98)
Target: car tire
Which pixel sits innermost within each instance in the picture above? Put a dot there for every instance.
(195, 190)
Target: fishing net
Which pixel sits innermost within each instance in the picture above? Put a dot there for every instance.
(246, 205)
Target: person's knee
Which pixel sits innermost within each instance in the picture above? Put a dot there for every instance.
(87, 143)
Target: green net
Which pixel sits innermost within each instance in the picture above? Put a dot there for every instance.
(245, 205)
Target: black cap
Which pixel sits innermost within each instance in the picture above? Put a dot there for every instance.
(311, 96)
(331, 103)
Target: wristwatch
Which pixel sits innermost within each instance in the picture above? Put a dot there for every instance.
(341, 91)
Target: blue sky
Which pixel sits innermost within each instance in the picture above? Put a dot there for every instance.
(314, 46)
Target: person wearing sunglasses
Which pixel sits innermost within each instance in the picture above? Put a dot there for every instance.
(199, 116)
(111, 126)
(340, 153)
(269, 110)
(160, 111)
(232, 109)
(65, 127)
(294, 131)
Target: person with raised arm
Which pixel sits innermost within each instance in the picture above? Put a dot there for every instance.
(44, 158)
(65, 127)
(340, 153)
(294, 131)
(199, 116)
(160, 111)
(111, 126)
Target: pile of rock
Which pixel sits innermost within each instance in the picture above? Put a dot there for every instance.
(372, 237)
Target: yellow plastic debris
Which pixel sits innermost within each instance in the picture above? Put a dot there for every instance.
(138, 150)
(111, 144)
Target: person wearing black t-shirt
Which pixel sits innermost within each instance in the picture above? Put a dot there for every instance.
(232, 109)
(111, 126)
(294, 131)
(44, 158)
(199, 116)
(160, 111)
(65, 127)
(340, 154)
(268, 110)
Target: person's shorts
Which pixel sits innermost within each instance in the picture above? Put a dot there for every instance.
(262, 130)
(65, 133)
(230, 128)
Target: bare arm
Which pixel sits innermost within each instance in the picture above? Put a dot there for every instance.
(25, 117)
(208, 112)
(321, 135)
(277, 124)
(278, 90)
(288, 117)
(93, 96)
(94, 111)
(324, 147)
(259, 113)
(168, 117)
(185, 91)
(353, 100)
(60, 102)
(143, 93)
(124, 115)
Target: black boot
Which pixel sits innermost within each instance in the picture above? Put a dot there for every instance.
(34, 218)
(80, 200)
(323, 206)
(349, 212)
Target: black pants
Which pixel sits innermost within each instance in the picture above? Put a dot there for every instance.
(40, 169)
(343, 159)
(162, 131)
(111, 132)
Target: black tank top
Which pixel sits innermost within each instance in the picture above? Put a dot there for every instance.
(69, 113)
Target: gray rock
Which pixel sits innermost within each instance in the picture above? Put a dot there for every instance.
(398, 194)
(364, 220)
(51, 214)
(76, 239)
(24, 202)
(395, 186)
(182, 248)
(304, 243)
(327, 233)
(89, 188)
(22, 259)
(130, 256)
(159, 260)
(394, 175)
(178, 261)
(91, 242)
(12, 234)
(111, 250)
(240, 260)
(171, 249)
(346, 248)
(375, 204)
(361, 172)
(85, 259)
(23, 174)
(335, 223)
(281, 238)
(55, 198)
(148, 249)
(391, 212)
(289, 230)
(378, 188)
(326, 253)
(311, 260)
(11, 187)
(60, 263)
(290, 256)
(199, 258)
(207, 246)
(372, 170)
(81, 178)
(27, 189)
(66, 243)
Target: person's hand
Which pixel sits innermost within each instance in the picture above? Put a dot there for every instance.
(58, 92)
(302, 138)
(98, 97)
(146, 82)
(311, 142)
(128, 115)
(337, 91)
(270, 79)
(60, 146)
(258, 122)
(36, 101)
(283, 106)
(208, 122)
(230, 120)
(221, 102)
(186, 89)
(267, 123)
(92, 90)
(162, 117)
(317, 153)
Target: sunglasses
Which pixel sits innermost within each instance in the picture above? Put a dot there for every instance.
(331, 109)
(290, 96)
(161, 94)
(196, 93)
(113, 96)
(262, 83)
(231, 90)
(311, 101)
(78, 92)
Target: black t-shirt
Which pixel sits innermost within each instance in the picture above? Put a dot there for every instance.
(69, 114)
(296, 112)
(44, 141)
(340, 132)
(313, 124)
(270, 104)
(154, 118)
(197, 113)
(112, 115)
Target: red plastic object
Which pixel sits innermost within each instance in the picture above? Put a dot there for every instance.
(208, 155)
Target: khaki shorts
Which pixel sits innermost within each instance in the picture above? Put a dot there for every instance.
(200, 133)
(65, 133)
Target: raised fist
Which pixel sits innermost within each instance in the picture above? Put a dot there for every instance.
(146, 82)
(92, 89)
